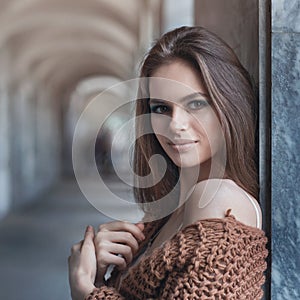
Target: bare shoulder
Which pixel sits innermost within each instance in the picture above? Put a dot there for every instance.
(212, 198)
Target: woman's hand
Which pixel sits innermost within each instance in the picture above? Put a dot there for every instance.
(82, 266)
(116, 238)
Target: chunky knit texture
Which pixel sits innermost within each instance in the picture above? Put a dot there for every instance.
(209, 259)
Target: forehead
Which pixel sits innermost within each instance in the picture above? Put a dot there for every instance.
(174, 81)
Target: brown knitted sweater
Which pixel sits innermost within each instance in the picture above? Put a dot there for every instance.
(209, 259)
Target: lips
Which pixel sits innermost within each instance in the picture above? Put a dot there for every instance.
(182, 145)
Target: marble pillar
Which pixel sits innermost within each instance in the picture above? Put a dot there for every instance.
(285, 149)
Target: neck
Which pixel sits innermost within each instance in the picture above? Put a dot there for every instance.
(189, 177)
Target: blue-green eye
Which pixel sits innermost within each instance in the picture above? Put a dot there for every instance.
(159, 109)
(197, 104)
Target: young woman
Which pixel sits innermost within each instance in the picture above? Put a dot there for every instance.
(200, 104)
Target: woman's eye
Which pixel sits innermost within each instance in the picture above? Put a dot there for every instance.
(197, 104)
(159, 109)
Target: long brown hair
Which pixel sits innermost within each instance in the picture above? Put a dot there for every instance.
(233, 99)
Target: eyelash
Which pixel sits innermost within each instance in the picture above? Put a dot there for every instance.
(156, 108)
(202, 104)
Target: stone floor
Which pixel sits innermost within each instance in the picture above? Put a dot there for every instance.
(35, 244)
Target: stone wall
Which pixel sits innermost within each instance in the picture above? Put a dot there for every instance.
(285, 149)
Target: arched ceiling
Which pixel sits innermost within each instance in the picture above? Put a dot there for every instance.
(60, 42)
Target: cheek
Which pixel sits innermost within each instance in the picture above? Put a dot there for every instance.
(159, 124)
(209, 129)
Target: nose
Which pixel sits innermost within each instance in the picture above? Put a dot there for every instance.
(180, 119)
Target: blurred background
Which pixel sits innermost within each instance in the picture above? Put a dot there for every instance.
(55, 56)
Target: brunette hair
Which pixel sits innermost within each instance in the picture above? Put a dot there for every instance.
(233, 99)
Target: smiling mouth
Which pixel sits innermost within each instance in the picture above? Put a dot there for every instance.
(183, 145)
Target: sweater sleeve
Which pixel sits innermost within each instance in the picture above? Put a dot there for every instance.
(211, 259)
(105, 292)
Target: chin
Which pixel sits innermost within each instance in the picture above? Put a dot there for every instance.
(184, 163)
(189, 161)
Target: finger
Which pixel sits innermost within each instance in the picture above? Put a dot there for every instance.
(89, 232)
(88, 237)
(123, 226)
(141, 226)
(127, 239)
(108, 259)
(104, 238)
(120, 249)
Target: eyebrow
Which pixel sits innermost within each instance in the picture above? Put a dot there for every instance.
(183, 99)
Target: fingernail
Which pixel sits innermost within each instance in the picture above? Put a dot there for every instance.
(141, 224)
(88, 228)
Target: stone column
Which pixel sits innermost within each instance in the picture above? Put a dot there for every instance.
(285, 149)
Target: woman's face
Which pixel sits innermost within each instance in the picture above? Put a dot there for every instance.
(181, 116)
